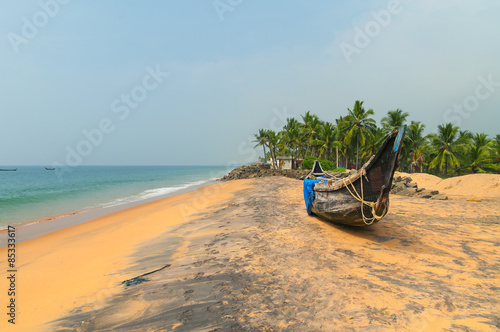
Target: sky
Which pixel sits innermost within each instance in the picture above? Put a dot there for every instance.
(121, 82)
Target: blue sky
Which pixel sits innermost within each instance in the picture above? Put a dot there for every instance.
(229, 77)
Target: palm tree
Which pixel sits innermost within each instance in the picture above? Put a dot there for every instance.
(394, 120)
(443, 145)
(355, 136)
(261, 140)
(418, 158)
(374, 142)
(416, 140)
(314, 137)
(310, 130)
(479, 153)
(496, 152)
(360, 124)
(272, 140)
(327, 137)
(464, 141)
(464, 135)
(339, 140)
(304, 133)
(290, 136)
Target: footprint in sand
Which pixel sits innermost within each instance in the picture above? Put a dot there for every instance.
(188, 294)
(186, 316)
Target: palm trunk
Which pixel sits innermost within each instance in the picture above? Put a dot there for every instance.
(337, 148)
(357, 151)
(273, 157)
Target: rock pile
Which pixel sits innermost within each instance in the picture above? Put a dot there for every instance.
(404, 186)
(258, 171)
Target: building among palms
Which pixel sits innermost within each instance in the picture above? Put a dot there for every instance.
(285, 162)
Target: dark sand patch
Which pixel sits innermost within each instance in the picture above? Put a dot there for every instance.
(259, 263)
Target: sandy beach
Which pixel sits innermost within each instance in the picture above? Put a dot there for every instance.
(244, 255)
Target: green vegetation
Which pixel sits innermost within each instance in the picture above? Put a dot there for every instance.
(308, 163)
(353, 138)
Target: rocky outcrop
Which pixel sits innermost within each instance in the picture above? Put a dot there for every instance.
(258, 171)
(405, 186)
(402, 186)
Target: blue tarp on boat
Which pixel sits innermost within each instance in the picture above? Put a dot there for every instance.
(309, 192)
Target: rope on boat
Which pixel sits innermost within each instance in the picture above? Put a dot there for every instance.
(366, 220)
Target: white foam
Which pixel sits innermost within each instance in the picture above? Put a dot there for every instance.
(152, 193)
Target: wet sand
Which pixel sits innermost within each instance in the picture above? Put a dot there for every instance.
(36, 228)
(244, 255)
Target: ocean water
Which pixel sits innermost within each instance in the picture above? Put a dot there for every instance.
(34, 193)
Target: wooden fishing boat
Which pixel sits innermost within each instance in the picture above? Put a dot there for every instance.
(8, 169)
(50, 168)
(361, 198)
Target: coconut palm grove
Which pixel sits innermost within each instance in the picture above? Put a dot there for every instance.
(355, 137)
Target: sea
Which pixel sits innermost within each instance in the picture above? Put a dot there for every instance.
(33, 193)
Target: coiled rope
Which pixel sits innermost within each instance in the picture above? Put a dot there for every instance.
(368, 221)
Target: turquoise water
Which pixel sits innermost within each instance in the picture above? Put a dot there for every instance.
(33, 193)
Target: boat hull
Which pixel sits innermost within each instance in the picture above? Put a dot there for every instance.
(342, 208)
(362, 198)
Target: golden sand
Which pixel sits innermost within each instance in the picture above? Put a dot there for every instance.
(245, 255)
(82, 265)
(472, 185)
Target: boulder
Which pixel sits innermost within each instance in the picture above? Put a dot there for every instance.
(258, 170)
(406, 192)
(407, 180)
(407, 187)
(398, 187)
(440, 197)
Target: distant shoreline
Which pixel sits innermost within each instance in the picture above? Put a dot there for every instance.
(35, 195)
(28, 230)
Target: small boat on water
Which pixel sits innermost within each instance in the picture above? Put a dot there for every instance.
(8, 169)
(361, 198)
(50, 168)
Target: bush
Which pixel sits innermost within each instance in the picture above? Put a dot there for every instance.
(309, 162)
